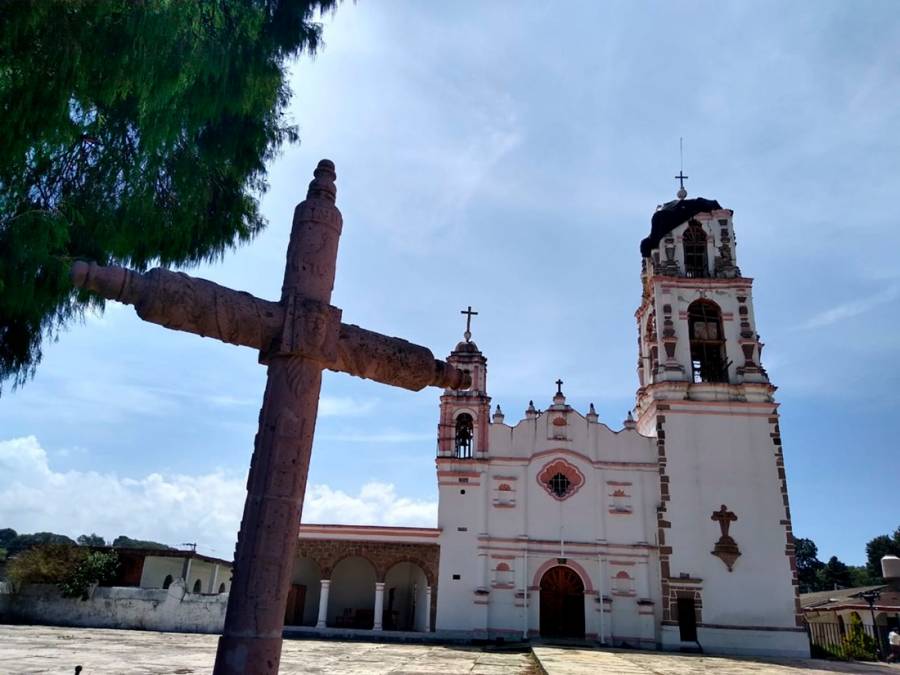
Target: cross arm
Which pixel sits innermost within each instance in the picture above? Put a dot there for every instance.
(182, 302)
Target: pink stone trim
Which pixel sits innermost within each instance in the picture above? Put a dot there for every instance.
(579, 570)
(567, 469)
(398, 531)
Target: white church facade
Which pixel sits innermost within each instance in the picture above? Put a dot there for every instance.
(670, 532)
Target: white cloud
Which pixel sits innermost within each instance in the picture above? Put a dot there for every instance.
(378, 437)
(376, 504)
(173, 508)
(344, 406)
(848, 310)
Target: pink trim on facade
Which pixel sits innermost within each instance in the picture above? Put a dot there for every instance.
(458, 474)
(369, 530)
(579, 570)
(597, 464)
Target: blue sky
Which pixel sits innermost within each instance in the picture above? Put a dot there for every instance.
(509, 156)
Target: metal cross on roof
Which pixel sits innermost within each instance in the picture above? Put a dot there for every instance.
(469, 314)
(559, 384)
(682, 193)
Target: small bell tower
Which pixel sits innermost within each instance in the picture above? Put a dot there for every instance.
(465, 413)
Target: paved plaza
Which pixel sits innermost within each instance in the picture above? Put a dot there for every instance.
(44, 649)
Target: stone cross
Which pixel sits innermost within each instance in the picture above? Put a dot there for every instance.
(296, 337)
(724, 517)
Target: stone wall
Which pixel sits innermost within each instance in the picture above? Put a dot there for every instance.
(135, 608)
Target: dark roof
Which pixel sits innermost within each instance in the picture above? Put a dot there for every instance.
(162, 553)
(849, 598)
(671, 215)
(466, 348)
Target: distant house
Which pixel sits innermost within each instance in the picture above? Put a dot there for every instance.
(158, 568)
(829, 613)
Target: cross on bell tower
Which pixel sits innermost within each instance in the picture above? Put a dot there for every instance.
(469, 314)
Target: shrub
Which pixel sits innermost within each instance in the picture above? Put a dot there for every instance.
(857, 643)
(73, 569)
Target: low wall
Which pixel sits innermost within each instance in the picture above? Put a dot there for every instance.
(136, 608)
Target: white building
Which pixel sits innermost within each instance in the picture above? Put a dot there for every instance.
(673, 530)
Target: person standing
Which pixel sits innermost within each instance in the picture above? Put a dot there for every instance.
(894, 643)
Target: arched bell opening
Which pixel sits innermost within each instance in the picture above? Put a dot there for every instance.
(708, 361)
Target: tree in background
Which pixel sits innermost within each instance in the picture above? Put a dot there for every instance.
(90, 540)
(808, 565)
(127, 542)
(134, 133)
(879, 547)
(834, 574)
(24, 542)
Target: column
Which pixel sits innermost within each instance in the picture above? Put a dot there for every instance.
(427, 609)
(323, 603)
(379, 604)
(214, 579)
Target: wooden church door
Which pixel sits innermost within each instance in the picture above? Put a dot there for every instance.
(562, 603)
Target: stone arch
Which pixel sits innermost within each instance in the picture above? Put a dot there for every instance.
(406, 587)
(706, 334)
(579, 570)
(167, 581)
(351, 596)
(303, 598)
(430, 575)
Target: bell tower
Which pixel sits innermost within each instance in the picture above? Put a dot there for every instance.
(726, 550)
(464, 419)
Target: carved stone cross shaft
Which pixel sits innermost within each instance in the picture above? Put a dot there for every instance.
(296, 337)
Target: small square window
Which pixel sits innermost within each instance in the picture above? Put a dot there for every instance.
(455, 577)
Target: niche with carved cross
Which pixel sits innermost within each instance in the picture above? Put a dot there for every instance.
(726, 549)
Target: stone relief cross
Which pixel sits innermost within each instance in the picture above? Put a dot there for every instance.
(296, 337)
(724, 517)
(469, 314)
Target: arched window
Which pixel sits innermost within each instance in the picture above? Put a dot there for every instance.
(197, 586)
(222, 587)
(695, 260)
(464, 432)
(167, 581)
(653, 348)
(707, 342)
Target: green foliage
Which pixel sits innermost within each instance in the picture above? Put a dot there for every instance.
(24, 542)
(133, 133)
(834, 574)
(859, 576)
(879, 547)
(127, 542)
(71, 567)
(7, 534)
(45, 564)
(808, 565)
(91, 540)
(858, 644)
(96, 567)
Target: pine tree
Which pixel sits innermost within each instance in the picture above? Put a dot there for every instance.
(134, 133)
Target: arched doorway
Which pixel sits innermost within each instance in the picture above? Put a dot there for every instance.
(562, 603)
(405, 586)
(302, 607)
(351, 600)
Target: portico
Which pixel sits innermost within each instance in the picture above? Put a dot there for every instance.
(364, 578)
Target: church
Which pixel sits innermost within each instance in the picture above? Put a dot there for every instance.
(672, 532)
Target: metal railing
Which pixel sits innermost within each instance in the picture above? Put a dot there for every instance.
(850, 641)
